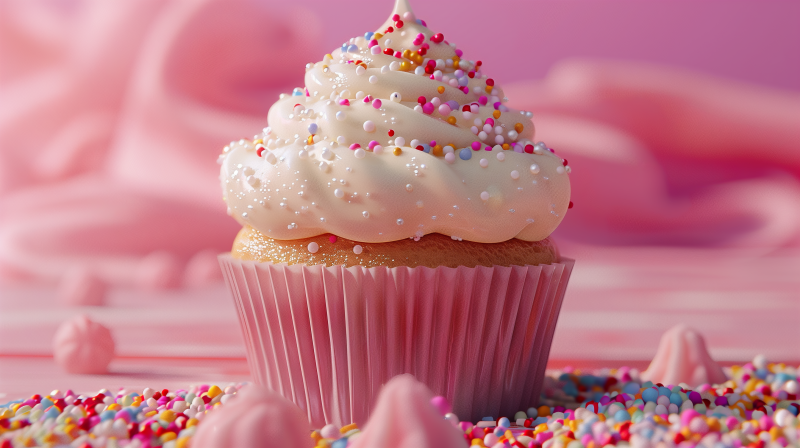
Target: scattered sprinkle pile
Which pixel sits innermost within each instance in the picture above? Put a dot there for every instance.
(756, 408)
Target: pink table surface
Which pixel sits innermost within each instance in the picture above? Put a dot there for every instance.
(619, 302)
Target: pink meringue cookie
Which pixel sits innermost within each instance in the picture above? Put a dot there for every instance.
(682, 357)
(81, 287)
(253, 418)
(83, 346)
(405, 418)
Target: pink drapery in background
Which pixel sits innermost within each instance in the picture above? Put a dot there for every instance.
(112, 115)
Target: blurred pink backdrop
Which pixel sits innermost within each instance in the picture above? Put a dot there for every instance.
(681, 120)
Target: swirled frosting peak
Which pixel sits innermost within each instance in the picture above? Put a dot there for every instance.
(396, 134)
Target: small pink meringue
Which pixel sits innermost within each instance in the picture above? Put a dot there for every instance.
(81, 287)
(682, 357)
(255, 417)
(83, 346)
(405, 418)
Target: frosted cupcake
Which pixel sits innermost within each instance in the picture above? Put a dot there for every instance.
(396, 217)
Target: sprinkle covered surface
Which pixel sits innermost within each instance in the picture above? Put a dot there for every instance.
(757, 407)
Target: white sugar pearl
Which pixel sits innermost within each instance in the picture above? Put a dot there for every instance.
(485, 195)
(327, 154)
(499, 139)
(313, 247)
(560, 170)
(450, 157)
(369, 126)
(394, 66)
(360, 70)
(484, 163)
(487, 128)
(448, 149)
(377, 149)
(365, 214)
(375, 49)
(515, 174)
(396, 97)
(512, 135)
(341, 115)
(357, 249)
(373, 79)
(385, 68)
(271, 159)
(501, 156)
(344, 93)
(360, 94)
(360, 153)
(414, 143)
(482, 135)
(339, 193)
(399, 141)
(535, 169)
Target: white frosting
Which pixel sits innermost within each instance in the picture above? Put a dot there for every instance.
(296, 190)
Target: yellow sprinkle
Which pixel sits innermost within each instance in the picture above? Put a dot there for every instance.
(316, 435)
(405, 66)
(166, 437)
(397, 151)
(257, 141)
(489, 89)
(183, 442)
(377, 36)
(496, 114)
(540, 428)
(519, 127)
(323, 443)
(167, 415)
(455, 65)
(478, 442)
(213, 391)
(440, 89)
(351, 426)
(191, 422)
(407, 54)
(328, 55)
(775, 432)
(151, 413)
(506, 146)
(543, 411)
(602, 417)
(451, 119)
(310, 140)
(114, 407)
(437, 150)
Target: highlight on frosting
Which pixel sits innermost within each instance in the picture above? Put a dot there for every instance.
(396, 134)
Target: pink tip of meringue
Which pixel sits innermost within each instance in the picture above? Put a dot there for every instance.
(682, 357)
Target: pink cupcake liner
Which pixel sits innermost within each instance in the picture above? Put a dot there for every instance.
(328, 338)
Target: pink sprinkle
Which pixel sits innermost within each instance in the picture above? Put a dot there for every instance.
(307, 94)
(488, 148)
(476, 146)
(377, 104)
(483, 100)
(490, 121)
(397, 54)
(367, 98)
(332, 238)
(497, 105)
(427, 108)
(396, 17)
(372, 43)
(459, 52)
(433, 142)
(373, 144)
(344, 102)
(355, 146)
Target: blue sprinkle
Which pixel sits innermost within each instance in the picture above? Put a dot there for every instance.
(312, 128)
(426, 148)
(297, 91)
(504, 422)
(539, 421)
(572, 390)
(622, 416)
(664, 391)
(648, 384)
(762, 373)
(676, 399)
(564, 376)
(650, 394)
(107, 415)
(46, 403)
(631, 388)
(353, 48)
(487, 419)
(341, 443)
(465, 153)
(368, 35)
(344, 47)
(51, 413)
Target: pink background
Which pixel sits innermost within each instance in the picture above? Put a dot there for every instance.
(680, 120)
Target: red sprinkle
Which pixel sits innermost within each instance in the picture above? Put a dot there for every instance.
(529, 149)
(391, 132)
(421, 100)
(490, 82)
(332, 238)
(438, 38)
(388, 51)
(260, 150)
(398, 24)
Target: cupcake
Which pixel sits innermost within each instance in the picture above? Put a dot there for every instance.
(396, 219)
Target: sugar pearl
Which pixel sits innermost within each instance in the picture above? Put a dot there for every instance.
(515, 174)
(534, 168)
(357, 249)
(369, 126)
(313, 247)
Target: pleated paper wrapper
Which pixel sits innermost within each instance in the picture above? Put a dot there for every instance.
(328, 338)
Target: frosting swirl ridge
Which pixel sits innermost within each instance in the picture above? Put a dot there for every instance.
(395, 135)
